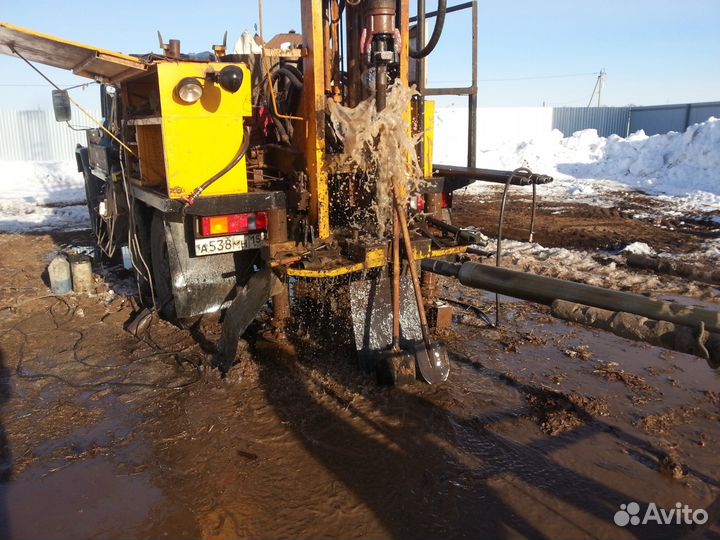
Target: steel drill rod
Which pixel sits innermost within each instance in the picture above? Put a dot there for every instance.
(490, 175)
(545, 290)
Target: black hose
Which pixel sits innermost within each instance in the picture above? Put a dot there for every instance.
(521, 171)
(241, 154)
(437, 32)
(292, 77)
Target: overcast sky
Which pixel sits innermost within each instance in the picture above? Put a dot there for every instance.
(654, 51)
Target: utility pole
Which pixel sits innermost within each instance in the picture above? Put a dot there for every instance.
(598, 88)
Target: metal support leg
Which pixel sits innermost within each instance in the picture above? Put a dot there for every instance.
(277, 233)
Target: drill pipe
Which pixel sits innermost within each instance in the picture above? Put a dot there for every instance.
(490, 175)
(545, 290)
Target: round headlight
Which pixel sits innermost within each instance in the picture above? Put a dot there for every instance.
(231, 78)
(189, 90)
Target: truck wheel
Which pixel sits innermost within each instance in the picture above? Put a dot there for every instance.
(162, 279)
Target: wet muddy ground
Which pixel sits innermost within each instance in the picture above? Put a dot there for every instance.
(544, 429)
(634, 217)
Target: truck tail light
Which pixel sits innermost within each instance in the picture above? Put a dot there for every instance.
(233, 224)
(446, 201)
(418, 203)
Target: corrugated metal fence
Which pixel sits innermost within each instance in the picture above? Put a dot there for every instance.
(664, 118)
(606, 120)
(36, 136)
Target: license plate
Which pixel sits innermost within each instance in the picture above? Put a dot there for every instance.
(228, 244)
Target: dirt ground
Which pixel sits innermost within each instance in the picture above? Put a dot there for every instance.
(543, 430)
(634, 218)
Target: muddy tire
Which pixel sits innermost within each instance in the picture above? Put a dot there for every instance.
(162, 279)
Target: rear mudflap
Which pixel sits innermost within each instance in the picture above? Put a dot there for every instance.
(202, 284)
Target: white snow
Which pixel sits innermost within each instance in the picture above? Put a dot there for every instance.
(40, 196)
(682, 169)
(638, 248)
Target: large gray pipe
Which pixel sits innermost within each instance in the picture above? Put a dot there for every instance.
(545, 290)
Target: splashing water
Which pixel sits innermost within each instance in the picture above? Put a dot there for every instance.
(380, 144)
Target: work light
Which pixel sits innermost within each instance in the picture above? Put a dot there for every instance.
(189, 90)
(231, 78)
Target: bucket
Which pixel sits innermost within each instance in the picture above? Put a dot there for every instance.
(82, 276)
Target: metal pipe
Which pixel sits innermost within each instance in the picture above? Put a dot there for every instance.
(545, 290)
(420, 42)
(491, 175)
(460, 233)
(431, 14)
(472, 98)
(675, 337)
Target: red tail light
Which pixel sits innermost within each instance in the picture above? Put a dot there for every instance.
(418, 203)
(446, 201)
(233, 224)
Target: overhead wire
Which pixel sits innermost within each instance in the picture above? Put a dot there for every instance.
(90, 116)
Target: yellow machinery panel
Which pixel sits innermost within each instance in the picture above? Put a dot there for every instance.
(202, 138)
(429, 138)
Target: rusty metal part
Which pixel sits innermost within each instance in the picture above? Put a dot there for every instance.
(466, 234)
(665, 334)
(440, 315)
(277, 234)
(380, 87)
(173, 49)
(354, 60)
(429, 284)
(277, 225)
(545, 290)
(432, 360)
(379, 16)
(433, 204)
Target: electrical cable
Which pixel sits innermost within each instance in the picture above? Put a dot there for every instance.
(90, 116)
(437, 32)
(181, 357)
(519, 171)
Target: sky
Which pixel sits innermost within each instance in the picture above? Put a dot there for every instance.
(530, 53)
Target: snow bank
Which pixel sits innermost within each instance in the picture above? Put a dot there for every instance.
(684, 166)
(42, 195)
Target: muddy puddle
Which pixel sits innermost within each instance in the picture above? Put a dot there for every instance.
(543, 429)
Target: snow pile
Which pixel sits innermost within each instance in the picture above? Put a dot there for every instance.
(638, 248)
(42, 195)
(684, 166)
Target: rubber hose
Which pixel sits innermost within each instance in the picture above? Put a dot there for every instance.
(437, 32)
(292, 77)
(241, 154)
